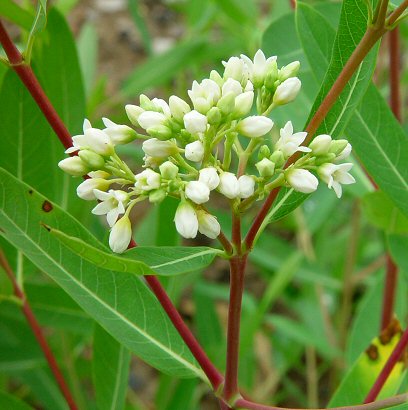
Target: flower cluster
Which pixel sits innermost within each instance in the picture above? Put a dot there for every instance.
(193, 149)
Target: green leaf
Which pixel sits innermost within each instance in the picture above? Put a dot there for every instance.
(111, 361)
(382, 212)
(398, 245)
(362, 375)
(352, 26)
(16, 14)
(149, 260)
(40, 18)
(118, 302)
(7, 401)
(134, 8)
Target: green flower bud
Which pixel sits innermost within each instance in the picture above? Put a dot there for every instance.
(91, 159)
(214, 116)
(146, 103)
(266, 168)
(160, 132)
(271, 77)
(168, 170)
(289, 70)
(215, 76)
(337, 146)
(324, 159)
(227, 103)
(277, 158)
(157, 196)
(264, 152)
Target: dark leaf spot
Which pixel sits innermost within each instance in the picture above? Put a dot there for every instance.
(372, 352)
(47, 206)
(30, 191)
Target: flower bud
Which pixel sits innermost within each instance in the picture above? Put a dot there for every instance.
(272, 76)
(322, 159)
(209, 176)
(194, 151)
(133, 112)
(264, 152)
(157, 196)
(265, 167)
(338, 146)
(215, 76)
(195, 122)
(198, 192)
(289, 70)
(321, 144)
(186, 220)
(235, 69)
(277, 158)
(118, 133)
(229, 185)
(243, 104)
(345, 153)
(178, 107)
(232, 86)
(226, 104)
(214, 116)
(160, 132)
(120, 235)
(287, 91)
(159, 149)
(162, 106)
(168, 170)
(301, 180)
(74, 166)
(91, 159)
(208, 224)
(150, 119)
(246, 186)
(146, 103)
(85, 189)
(255, 126)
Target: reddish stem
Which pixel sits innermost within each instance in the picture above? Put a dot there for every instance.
(293, 3)
(29, 79)
(390, 290)
(387, 369)
(38, 333)
(237, 272)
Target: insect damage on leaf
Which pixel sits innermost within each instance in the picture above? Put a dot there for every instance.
(47, 206)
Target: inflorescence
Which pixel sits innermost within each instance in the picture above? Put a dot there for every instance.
(189, 150)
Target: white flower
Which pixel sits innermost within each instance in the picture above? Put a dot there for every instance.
(265, 167)
(113, 204)
(186, 220)
(259, 68)
(133, 112)
(85, 189)
(287, 91)
(162, 106)
(243, 104)
(289, 143)
(119, 134)
(168, 170)
(232, 86)
(255, 126)
(178, 107)
(194, 151)
(246, 186)
(289, 70)
(208, 224)
(209, 176)
(159, 149)
(93, 139)
(235, 68)
(302, 180)
(120, 235)
(195, 122)
(147, 180)
(345, 153)
(335, 175)
(229, 185)
(198, 192)
(204, 95)
(150, 119)
(73, 166)
(321, 144)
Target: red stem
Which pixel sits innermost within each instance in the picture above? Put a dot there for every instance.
(387, 369)
(293, 3)
(237, 272)
(29, 79)
(390, 290)
(38, 333)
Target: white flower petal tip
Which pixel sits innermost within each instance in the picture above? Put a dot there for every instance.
(336, 175)
(255, 126)
(120, 235)
(287, 91)
(198, 192)
(302, 180)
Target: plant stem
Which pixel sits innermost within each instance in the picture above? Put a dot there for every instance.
(387, 369)
(38, 333)
(379, 405)
(237, 272)
(29, 79)
(391, 276)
